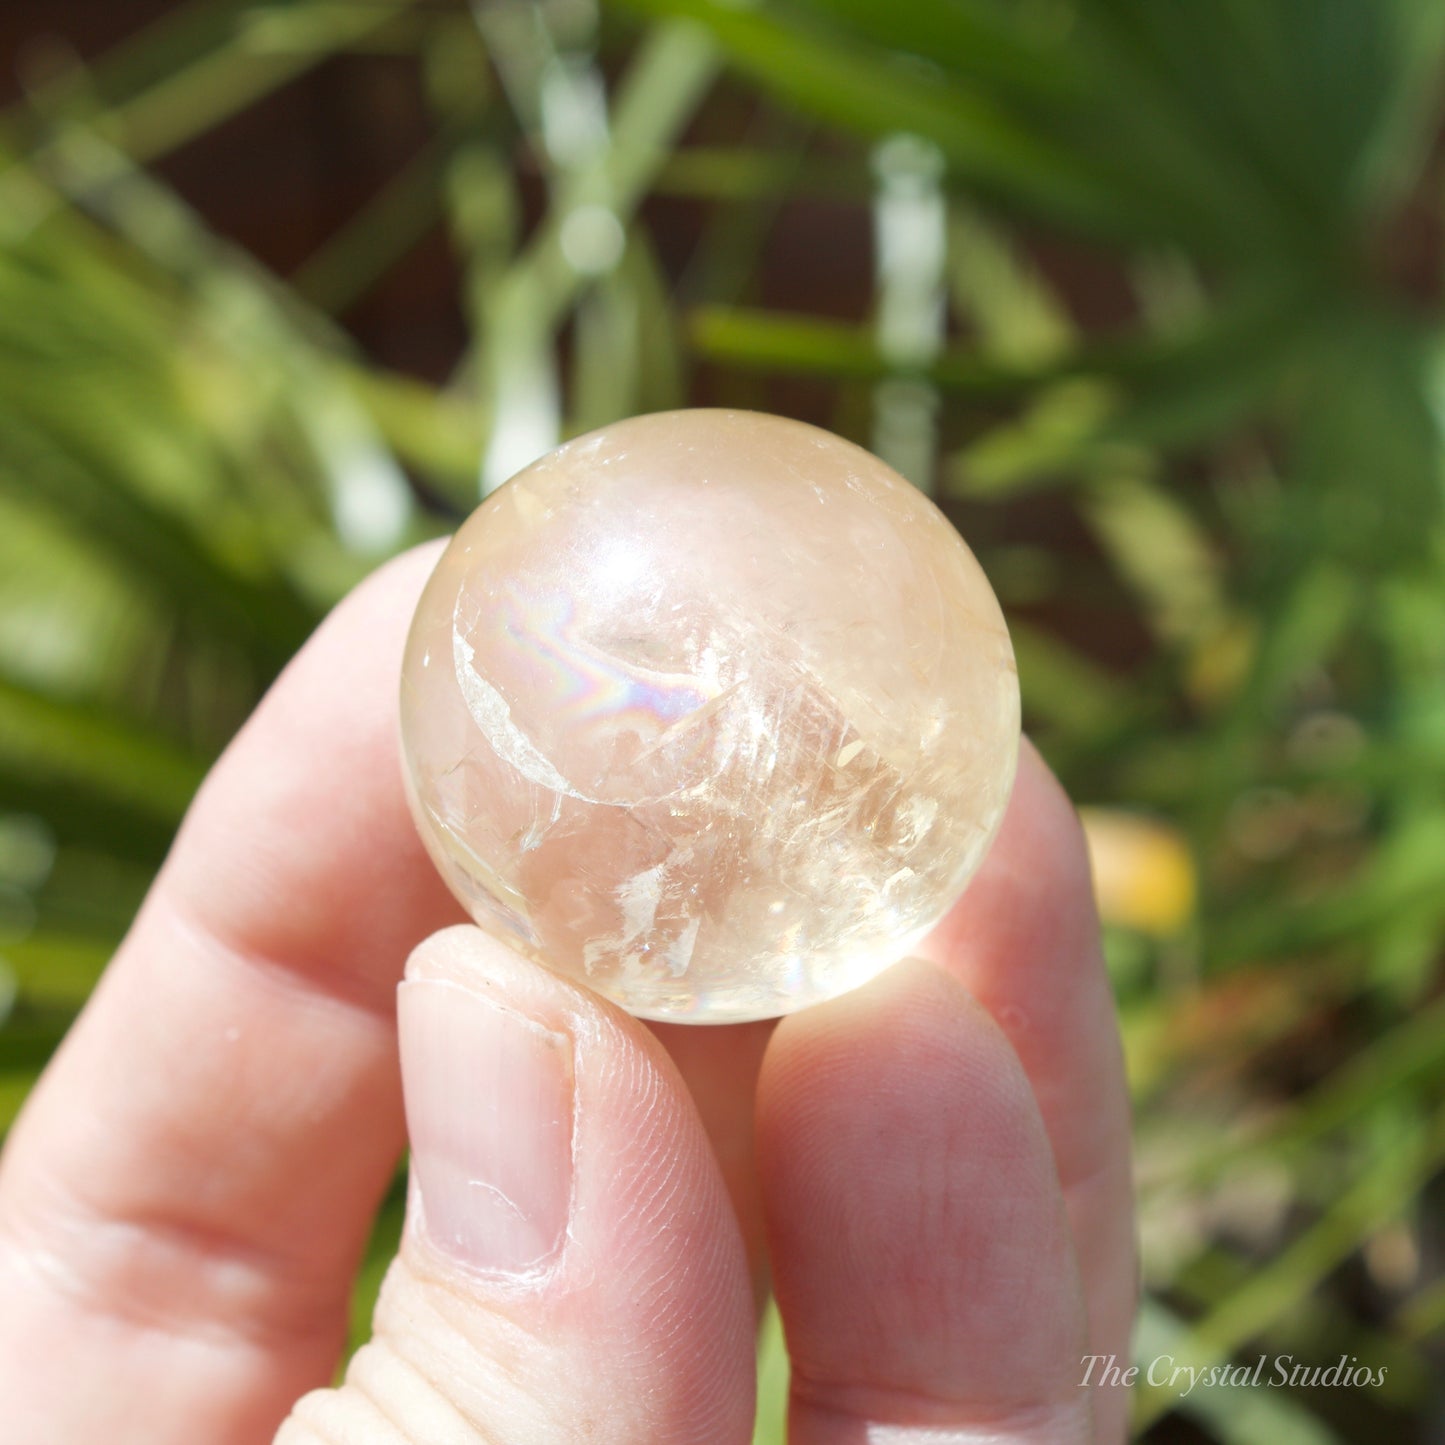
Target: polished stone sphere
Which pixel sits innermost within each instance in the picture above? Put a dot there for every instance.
(710, 710)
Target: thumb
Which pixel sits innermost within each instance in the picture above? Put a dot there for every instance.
(571, 1268)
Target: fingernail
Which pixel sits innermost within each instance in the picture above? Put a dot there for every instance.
(489, 1113)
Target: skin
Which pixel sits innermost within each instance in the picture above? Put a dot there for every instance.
(934, 1169)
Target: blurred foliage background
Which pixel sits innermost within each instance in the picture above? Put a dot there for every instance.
(1146, 295)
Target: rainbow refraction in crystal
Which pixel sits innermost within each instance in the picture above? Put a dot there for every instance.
(583, 681)
(710, 710)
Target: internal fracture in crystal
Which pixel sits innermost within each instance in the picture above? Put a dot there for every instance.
(710, 710)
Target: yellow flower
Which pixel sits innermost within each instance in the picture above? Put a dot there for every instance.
(1144, 876)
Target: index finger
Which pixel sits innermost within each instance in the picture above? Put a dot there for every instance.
(185, 1196)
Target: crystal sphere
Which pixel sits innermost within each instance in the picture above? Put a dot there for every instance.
(710, 710)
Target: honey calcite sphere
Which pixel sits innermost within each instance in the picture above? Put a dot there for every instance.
(710, 710)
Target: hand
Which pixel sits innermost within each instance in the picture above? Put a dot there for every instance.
(938, 1171)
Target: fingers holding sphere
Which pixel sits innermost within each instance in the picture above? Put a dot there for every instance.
(922, 1257)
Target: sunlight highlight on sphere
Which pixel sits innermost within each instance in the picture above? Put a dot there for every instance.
(710, 710)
